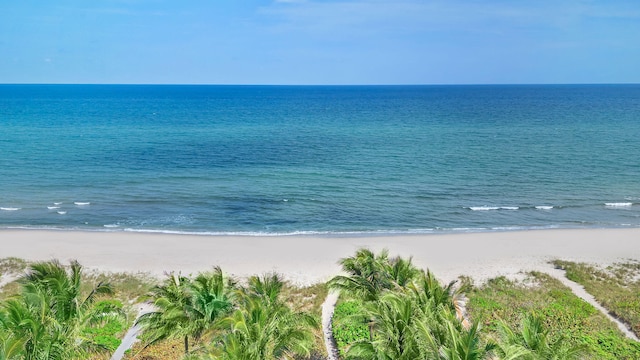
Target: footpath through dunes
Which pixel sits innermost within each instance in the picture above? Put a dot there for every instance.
(328, 307)
(131, 336)
(580, 292)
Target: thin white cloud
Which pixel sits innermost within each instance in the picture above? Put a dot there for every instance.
(376, 16)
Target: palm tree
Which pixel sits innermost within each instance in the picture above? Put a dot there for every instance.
(396, 331)
(535, 341)
(10, 347)
(461, 343)
(52, 279)
(430, 293)
(188, 308)
(267, 288)
(170, 320)
(410, 314)
(264, 328)
(407, 327)
(402, 271)
(49, 314)
(368, 275)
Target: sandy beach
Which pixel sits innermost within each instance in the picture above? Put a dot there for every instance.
(306, 259)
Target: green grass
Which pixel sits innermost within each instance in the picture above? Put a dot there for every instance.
(347, 328)
(565, 314)
(107, 334)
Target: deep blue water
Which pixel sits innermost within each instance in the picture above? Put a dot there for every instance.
(296, 159)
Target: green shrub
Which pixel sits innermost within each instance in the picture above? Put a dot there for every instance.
(108, 332)
(349, 326)
(610, 345)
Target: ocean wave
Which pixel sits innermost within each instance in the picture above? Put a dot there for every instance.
(618, 204)
(464, 230)
(508, 228)
(10, 208)
(483, 208)
(62, 212)
(327, 233)
(53, 207)
(489, 208)
(57, 203)
(544, 207)
(82, 203)
(275, 234)
(111, 225)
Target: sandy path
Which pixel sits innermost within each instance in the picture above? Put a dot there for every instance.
(131, 337)
(580, 292)
(328, 306)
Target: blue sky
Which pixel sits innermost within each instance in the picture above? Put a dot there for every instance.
(320, 42)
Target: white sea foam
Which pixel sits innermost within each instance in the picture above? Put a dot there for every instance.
(465, 229)
(483, 208)
(619, 204)
(53, 207)
(9, 208)
(111, 225)
(508, 228)
(57, 203)
(544, 207)
(292, 233)
(62, 212)
(487, 208)
(82, 203)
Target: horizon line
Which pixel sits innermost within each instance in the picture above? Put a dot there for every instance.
(327, 85)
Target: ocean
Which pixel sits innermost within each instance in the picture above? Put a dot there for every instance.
(338, 160)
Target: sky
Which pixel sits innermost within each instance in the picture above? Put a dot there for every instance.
(319, 42)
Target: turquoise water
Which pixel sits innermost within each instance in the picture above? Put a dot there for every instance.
(286, 160)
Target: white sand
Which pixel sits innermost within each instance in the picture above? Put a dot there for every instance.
(306, 260)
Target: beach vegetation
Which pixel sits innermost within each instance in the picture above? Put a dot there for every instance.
(129, 288)
(532, 341)
(187, 308)
(51, 318)
(303, 304)
(263, 326)
(616, 287)
(566, 323)
(12, 265)
(349, 324)
(388, 309)
(370, 274)
(535, 318)
(10, 270)
(407, 312)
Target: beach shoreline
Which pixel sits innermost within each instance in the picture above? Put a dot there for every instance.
(311, 259)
